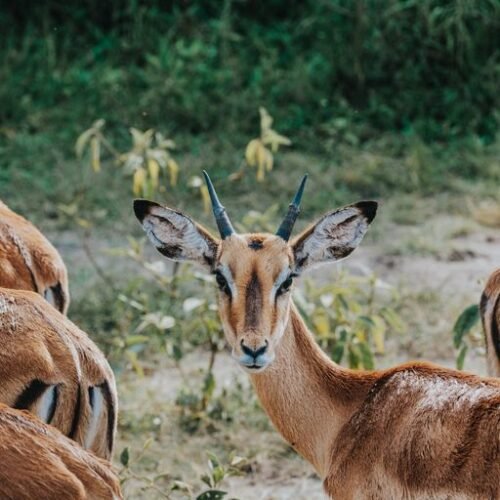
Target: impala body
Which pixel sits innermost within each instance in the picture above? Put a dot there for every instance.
(416, 431)
(490, 315)
(51, 368)
(38, 462)
(28, 261)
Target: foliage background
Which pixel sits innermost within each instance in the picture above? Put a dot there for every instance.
(328, 71)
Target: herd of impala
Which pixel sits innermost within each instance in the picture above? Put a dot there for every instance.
(415, 431)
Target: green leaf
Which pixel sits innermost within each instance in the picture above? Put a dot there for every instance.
(366, 356)
(207, 479)
(465, 322)
(212, 495)
(208, 389)
(136, 339)
(338, 352)
(461, 357)
(367, 321)
(218, 474)
(125, 457)
(354, 356)
(213, 461)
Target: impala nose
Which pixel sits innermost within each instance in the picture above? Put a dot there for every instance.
(254, 353)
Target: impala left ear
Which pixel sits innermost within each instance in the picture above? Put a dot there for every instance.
(334, 236)
(176, 235)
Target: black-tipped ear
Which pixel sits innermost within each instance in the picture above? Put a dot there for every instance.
(143, 208)
(368, 209)
(334, 236)
(174, 234)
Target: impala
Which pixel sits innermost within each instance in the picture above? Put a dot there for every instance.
(29, 262)
(38, 462)
(413, 431)
(490, 315)
(51, 368)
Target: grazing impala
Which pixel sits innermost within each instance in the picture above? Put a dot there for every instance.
(37, 461)
(51, 368)
(414, 431)
(490, 315)
(29, 262)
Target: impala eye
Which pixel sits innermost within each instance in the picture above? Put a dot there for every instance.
(285, 286)
(222, 283)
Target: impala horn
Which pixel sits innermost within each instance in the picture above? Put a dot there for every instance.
(223, 223)
(286, 227)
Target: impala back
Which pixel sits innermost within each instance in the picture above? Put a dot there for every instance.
(28, 261)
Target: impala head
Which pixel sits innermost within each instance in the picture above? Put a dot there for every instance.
(255, 272)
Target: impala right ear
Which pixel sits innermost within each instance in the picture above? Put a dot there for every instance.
(334, 236)
(175, 235)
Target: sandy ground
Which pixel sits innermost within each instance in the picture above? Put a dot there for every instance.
(439, 267)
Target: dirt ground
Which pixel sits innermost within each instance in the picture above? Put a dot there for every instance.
(438, 266)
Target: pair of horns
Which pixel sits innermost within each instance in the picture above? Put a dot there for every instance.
(224, 224)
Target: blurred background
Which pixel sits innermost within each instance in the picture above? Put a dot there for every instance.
(394, 100)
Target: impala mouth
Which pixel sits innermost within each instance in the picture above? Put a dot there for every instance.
(255, 368)
(253, 364)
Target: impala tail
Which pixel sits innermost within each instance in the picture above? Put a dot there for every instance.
(490, 315)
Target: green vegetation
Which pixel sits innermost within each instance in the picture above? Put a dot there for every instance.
(378, 96)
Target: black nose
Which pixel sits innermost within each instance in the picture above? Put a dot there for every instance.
(254, 353)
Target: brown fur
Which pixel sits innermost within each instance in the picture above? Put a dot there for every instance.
(38, 345)
(490, 315)
(28, 261)
(37, 461)
(415, 431)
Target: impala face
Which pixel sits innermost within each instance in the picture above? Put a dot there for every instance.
(255, 272)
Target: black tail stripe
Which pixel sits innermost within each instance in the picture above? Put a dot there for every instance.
(30, 395)
(92, 397)
(111, 414)
(76, 414)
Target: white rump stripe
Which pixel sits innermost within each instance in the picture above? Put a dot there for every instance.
(46, 404)
(97, 409)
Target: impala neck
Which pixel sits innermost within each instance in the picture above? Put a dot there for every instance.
(307, 396)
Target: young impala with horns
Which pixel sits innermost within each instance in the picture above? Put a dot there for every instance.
(415, 431)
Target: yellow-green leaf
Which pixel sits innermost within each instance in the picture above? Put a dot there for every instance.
(321, 324)
(251, 152)
(269, 160)
(154, 172)
(139, 181)
(265, 119)
(82, 141)
(173, 169)
(95, 149)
